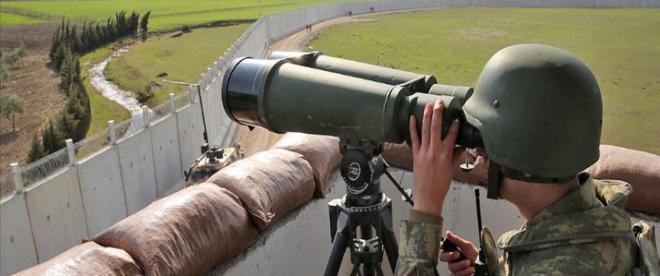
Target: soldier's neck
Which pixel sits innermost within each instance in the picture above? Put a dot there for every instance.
(532, 198)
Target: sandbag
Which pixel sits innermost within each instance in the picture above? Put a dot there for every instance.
(398, 155)
(322, 153)
(269, 183)
(87, 259)
(186, 233)
(640, 169)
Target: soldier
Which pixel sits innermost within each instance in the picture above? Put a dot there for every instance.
(539, 111)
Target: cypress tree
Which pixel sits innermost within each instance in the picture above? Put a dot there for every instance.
(144, 29)
(36, 150)
(51, 139)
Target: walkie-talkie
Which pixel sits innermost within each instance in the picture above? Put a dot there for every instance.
(480, 263)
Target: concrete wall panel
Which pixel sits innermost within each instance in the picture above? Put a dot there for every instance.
(189, 123)
(56, 214)
(15, 236)
(102, 190)
(167, 160)
(137, 170)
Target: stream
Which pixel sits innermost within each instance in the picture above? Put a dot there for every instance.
(111, 91)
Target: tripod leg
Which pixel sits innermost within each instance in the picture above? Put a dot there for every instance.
(356, 269)
(367, 234)
(389, 240)
(338, 246)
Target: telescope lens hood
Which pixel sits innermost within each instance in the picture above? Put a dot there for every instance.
(242, 86)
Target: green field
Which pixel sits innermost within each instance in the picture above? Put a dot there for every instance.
(183, 58)
(165, 13)
(621, 46)
(14, 19)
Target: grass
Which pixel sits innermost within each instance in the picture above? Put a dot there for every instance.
(183, 58)
(14, 19)
(103, 109)
(621, 46)
(165, 13)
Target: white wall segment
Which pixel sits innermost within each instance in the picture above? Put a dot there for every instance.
(189, 123)
(56, 213)
(167, 160)
(137, 170)
(16, 243)
(102, 190)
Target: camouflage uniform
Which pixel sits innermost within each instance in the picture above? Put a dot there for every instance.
(587, 232)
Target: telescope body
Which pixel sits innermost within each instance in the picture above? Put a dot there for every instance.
(318, 94)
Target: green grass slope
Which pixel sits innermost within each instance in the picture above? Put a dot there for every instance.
(183, 58)
(621, 46)
(165, 13)
(14, 19)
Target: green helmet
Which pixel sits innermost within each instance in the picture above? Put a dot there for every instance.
(539, 111)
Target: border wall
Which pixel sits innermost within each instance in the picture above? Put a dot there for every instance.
(78, 191)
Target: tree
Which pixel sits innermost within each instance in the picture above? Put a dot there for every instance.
(51, 139)
(144, 29)
(36, 150)
(10, 105)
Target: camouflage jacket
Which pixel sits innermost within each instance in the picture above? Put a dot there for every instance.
(587, 232)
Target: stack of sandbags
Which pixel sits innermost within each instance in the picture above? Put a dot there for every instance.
(87, 259)
(270, 183)
(186, 233)
(322, 153)
(640, 169)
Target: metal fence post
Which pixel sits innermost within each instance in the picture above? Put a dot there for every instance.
(172, 103)
(71, 152)
(145, 115)
(112, 133)
(18, 179)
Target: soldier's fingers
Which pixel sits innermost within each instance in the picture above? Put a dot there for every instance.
(459, 266)
(449, 257)
(466, 246)
(466, 272)
(436, 125)
(450, 140)
(426, 126)
(414, 137)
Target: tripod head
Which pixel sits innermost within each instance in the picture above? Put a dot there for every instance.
(361, 168)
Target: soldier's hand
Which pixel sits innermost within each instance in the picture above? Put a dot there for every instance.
(432, 159)
(463, 267)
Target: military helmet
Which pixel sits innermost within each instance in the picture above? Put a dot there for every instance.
(539, 111)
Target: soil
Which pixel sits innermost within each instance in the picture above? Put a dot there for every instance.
(36, 84)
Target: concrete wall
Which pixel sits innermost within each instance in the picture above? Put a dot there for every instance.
(102, 190)
(166, 156)
(82, 199)
(137, 169)
(57, 215)
(16, 236)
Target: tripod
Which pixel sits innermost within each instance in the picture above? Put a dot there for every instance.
(362, 219)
